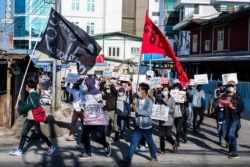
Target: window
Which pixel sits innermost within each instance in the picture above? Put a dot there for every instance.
(114, 51)
(195, 43)
(220, 38)
(75, 5)
(90, 5)
(155, 13)
(207, 45)
(135, 50)
(90, 28)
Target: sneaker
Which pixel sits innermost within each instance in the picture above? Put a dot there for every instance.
(84, 157)
(51, 150)
(125, 162)
(142, 148)
(79, 146)
(108, 151)
(233, 156)
(16, 152)
(70, 138)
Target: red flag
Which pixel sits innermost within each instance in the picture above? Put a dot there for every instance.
(154, 41)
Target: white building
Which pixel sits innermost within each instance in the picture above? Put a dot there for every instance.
(94, 16)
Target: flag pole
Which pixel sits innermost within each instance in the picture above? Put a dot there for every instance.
(26, 70)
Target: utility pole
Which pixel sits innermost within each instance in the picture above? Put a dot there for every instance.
(58, 66)
(161, 24)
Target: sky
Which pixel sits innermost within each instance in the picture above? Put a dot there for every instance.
(2, 12)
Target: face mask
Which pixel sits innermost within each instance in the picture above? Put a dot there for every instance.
(120, 93)
(164, 93)
(230, 89)
(139, 94)
(108, 90)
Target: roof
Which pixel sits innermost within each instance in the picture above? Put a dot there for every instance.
(118, 33)
(225, 17)
(213, 57)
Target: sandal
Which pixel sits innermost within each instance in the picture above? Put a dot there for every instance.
(160, 153)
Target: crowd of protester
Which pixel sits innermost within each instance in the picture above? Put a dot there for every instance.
(127, 107)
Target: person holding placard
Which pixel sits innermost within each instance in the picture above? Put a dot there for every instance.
(232, 105)
(165, 127)
(198, 107)
(143, 125)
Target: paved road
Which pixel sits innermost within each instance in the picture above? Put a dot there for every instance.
(201, 150)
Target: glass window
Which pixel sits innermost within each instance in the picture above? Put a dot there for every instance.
(90, 5)
(135, 50)
(207, 45)
(90, 28)
(114, 51)
(195, 43)
(21, 44)
(75, 5)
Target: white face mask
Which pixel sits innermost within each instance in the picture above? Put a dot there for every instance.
(139, 94)
(230, 89)
(108, 90)
(120, 93)
(164, 93)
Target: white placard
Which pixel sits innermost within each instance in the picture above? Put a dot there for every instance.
(160, 112)
(115, 75)
(124, 78)
(178, 95)
(94, 114)
(191, 82)
(229, 77)
(72, 78)
(155, 82)
(201, 79)
(140, 78)
(107, 72)
(150, 73)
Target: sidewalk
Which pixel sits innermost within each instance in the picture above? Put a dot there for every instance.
(201, 150)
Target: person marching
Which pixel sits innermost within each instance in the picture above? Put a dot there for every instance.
(24, 108)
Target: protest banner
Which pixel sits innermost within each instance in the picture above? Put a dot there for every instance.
(201, 79)
(178, 95)
(160, 112)
(150, 73)
(94, 114)
(141, 78)
(229, 77)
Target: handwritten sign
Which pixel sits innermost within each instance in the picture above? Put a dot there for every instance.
(94, 114)
(201, 79)
(160, 112)
(164, 80)
(72, 78)
(155, 82)
(108, 72)
(178, 95)
(229, 77)
(140, 79)
(124, 78)
(150, 73)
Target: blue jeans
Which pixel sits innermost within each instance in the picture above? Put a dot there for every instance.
(220, 125)
(229, 131)
(137, 134)
(122, 122)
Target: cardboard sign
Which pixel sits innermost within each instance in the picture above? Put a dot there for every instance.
(94, 114)
(160, 112)
(178, 95)
(229, 77)
(155, 82)
(201, 79)
(165, 80)
(115, 75)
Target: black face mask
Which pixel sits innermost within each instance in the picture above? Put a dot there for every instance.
(199, 89)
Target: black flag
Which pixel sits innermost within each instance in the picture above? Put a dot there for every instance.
(64, 40)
